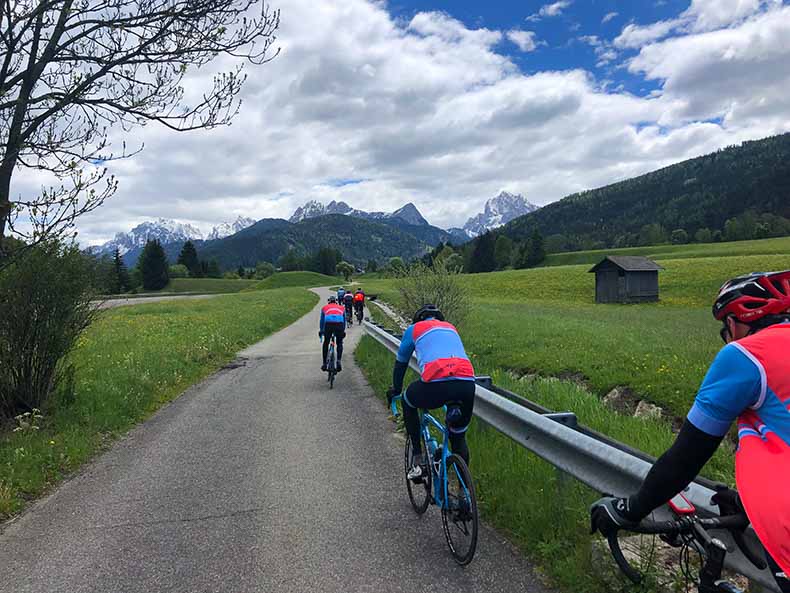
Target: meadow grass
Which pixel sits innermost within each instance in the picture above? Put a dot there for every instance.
(207, 285)
(291, 279)
(523, 495)
(543, 320)
(775, 246)
(128, 363)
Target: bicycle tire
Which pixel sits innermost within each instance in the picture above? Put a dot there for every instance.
(419, 494)
(331, 367)
(459, 511)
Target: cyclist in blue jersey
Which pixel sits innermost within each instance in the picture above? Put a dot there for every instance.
(341, 292)
(446, 378)
(748, 382)
(333, 323)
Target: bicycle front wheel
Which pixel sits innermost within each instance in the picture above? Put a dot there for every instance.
(419, 494)
(459, 512)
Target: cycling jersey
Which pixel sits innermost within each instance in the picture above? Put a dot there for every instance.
(750, 380)
(359, 297)
(341, 292)
(440, 352)
(332, 313)
(348, 299)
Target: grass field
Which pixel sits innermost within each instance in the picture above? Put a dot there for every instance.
(543, 320)
(290, 279)
(207, 285)
(776, 246)
(130, 362)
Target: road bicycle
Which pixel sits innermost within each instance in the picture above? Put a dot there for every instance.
(447, 484)
(360, 313)
(349, 317)
(688, 532)
(331, 363)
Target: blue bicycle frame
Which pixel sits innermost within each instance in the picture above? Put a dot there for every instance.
(426, 421)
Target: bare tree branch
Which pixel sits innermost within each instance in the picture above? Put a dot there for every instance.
(73, 70)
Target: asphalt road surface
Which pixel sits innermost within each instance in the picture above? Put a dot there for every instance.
(258, 479)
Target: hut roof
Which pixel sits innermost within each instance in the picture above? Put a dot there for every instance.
(629, 263)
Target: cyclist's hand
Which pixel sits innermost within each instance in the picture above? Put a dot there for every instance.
(608, 515)
(728, 501)
(320, 336)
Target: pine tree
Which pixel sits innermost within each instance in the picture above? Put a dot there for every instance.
(154, 266)
(189, 258)
(119, 280)
(213, 270)
(482, 258)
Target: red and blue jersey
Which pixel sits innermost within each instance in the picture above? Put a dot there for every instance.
(332, 313)
(440, 352)
(750, 380)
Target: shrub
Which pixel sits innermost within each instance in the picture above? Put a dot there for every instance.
(46, 304)
(178, 271)
(438, 285)
(263, 270)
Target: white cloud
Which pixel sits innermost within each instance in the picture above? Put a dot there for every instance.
(635, 36)
(737, 73)
(701, 16)
(549, 10)
(428, 111)
(525, 40)
(608, 17)
(604, 51)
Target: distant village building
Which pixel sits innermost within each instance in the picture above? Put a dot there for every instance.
(626, 279)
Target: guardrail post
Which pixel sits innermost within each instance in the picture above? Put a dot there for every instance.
(570, 420)
(484, 381)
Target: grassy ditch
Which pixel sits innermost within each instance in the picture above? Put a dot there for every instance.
(524, 496)
(130, 362)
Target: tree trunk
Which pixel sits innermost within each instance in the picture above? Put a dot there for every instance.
(6, 169)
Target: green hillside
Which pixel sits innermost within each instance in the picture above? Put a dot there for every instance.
(701, 193)
(359, 240)
(776, 246)
(291, 279)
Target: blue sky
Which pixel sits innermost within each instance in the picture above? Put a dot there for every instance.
(558, 36)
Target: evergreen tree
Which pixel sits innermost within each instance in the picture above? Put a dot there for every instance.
(482, 257)
(503, 252)
(119, 276)
(189, 258)
(537, 250)
(154, 266)
(372, 266)
(241, 272)
(290, 261)
(213, 270)
(326, 261)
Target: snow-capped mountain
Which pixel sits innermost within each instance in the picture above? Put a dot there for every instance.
(163, 229)
(167, 231)
(226, 229)
(313, 208)
(498, 211)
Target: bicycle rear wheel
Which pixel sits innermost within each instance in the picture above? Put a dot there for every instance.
(419, 494)
(331, 367)
(459, 512)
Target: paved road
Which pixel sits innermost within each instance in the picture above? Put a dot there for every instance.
(112, 303)
(258, 479)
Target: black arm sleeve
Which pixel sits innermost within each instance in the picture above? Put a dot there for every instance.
(674, 470)
(397, 375)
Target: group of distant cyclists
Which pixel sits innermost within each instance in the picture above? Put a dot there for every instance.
(336, 315)
(748, 383)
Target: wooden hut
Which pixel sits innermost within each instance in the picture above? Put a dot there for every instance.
(626, 279)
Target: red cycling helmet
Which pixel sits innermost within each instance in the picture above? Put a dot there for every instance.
(754, 296)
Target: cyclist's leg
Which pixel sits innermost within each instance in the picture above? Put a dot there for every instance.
(340, 333)
(776, 570)
(325, 345)
(413, 399)
(462, 392)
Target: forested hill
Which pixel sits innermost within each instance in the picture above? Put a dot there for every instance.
(701, 194)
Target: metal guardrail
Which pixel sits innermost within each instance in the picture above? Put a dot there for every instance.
(599, 462)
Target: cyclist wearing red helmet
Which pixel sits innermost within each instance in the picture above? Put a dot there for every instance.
(749, 381)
